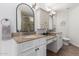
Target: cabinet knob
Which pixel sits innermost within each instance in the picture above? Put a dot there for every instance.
(36, 49)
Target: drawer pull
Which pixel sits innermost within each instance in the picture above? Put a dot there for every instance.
(36, 49)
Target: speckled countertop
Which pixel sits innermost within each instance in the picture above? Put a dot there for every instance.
(25, 38)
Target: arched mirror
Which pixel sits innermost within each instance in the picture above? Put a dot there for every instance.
(24, 18)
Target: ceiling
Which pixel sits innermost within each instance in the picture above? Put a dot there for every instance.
(60, 6)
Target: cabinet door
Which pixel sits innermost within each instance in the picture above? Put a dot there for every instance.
(55, 46)
(59, 41)
(41, 51)
(25, 46)
(30, 52)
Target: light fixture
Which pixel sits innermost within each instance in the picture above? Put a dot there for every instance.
(52, 12)
(33, 5)
(48, 9)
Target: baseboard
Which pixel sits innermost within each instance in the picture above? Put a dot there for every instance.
(74, 44)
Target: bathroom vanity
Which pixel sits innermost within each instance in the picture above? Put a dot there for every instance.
(31, 45)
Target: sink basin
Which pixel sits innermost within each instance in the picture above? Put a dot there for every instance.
(33, 36)
(30, 36)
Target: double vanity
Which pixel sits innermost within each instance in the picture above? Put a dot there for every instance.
(31, 45)
(35, 44)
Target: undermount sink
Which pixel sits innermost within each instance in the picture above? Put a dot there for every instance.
(30, 36)
(33, 36)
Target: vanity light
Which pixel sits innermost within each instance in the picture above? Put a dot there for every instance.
(52, 12)
(34, 5)
(48, 9)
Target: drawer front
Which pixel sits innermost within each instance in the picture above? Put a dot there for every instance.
(51, 40)
(55, 39)
(40, 41)
(25, 46)
(41, 51)
(30, 52)
(30, 44)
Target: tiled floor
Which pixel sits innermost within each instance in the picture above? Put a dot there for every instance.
(65, 51)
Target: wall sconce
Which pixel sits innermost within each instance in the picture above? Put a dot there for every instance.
(63, 23)
(52, 12)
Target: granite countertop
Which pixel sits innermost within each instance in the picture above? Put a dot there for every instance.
(25, 38)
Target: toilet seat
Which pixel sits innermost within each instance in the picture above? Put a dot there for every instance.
(66, 41)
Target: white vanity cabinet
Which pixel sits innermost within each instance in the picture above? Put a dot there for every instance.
(38, 51)
(35, 47)
(38, 47)
(32, 48)
(55, 46)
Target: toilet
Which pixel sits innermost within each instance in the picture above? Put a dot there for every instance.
(66, 41)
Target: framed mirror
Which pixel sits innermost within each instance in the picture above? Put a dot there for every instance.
(24, 18)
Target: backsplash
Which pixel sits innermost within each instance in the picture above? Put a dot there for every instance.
(40, 31)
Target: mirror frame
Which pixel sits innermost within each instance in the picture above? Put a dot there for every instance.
(17, 14)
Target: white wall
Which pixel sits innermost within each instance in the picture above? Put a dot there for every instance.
(71, 28)
(74, 26)
(60, 18)
(8, 10)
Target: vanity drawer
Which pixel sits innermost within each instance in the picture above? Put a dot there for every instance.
(30, 52)
(40, 42)
(30, 44)
(51, 40)
(25, 46)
